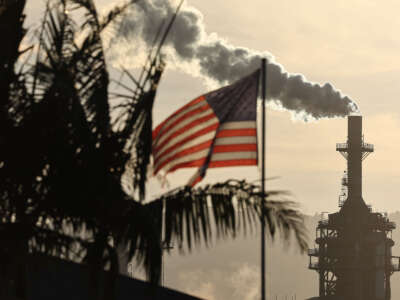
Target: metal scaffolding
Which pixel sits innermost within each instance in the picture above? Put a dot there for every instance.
(353, 255)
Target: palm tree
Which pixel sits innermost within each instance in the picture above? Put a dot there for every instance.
(63, 158)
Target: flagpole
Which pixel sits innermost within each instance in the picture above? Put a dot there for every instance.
(263, 91)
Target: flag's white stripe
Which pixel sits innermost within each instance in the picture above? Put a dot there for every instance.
(181, 113)
(186, 158)
(160, 158)
(233, 155)
(238, 125)
(180, 125)
(187, 133)
(236, 140)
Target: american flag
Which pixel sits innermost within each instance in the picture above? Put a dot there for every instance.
(217, 129)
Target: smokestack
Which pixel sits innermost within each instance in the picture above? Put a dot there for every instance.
(354, 159)
(355, 151)
(193, 50)
(354, 252)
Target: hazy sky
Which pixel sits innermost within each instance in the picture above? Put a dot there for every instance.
(354, 45)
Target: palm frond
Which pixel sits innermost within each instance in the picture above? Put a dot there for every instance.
(113, 14)
(284, 217)
(93, 83)
(137, 117)
(192, 216)
(137, 128)
(142, 236)
(91, 16)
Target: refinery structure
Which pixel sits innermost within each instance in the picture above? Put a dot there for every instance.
(353, 254)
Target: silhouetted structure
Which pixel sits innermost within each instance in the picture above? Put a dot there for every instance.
(353, 255)
(49, 278)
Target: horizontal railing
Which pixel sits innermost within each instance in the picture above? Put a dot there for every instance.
(395, 267)
(341, 146)
(368, 147)
(344, 147)
(323, 222)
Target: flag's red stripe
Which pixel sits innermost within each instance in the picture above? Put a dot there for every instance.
(193, 102)
(184, 129)
(185, 152)
(215, 164)
(237, 132)
(189, 114)
(235, 148)
(203, 131)
(232, 163)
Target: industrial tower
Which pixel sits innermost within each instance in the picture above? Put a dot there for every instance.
(353, 255)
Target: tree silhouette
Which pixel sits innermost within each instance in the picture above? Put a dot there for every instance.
(63, 158)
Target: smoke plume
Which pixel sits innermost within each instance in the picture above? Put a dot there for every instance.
(211, 57)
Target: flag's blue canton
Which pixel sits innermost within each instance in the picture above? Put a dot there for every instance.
(236, 102)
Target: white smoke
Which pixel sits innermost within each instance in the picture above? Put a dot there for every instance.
(236, 281)
(189, 47)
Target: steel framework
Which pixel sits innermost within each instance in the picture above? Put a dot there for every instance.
(353, 255)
